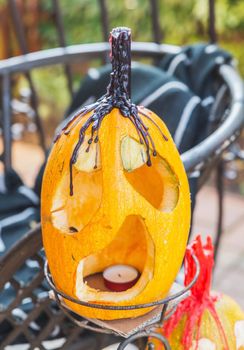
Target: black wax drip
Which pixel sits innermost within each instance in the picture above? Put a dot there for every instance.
(117, 96)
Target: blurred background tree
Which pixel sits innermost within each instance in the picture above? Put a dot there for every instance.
(183, 22)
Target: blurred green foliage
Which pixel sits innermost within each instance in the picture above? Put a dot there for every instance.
(183, 22)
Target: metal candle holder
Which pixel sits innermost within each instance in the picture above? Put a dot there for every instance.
(147, 331)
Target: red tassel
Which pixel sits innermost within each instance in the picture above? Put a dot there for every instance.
(200, 298)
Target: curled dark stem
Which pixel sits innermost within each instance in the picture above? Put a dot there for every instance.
(117, 96)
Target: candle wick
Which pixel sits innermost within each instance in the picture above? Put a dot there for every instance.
(119, 275)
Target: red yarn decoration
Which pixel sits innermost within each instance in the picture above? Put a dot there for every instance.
(200, 298)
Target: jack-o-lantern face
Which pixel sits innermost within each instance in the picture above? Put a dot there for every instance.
(102, 204)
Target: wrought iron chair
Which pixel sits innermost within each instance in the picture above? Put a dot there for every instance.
(198, 161)
(29, 318)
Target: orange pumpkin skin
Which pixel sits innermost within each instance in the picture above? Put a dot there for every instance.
(118, 201)
(102, 204)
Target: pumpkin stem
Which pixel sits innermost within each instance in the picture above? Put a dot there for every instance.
(117, 96)
(120, 78)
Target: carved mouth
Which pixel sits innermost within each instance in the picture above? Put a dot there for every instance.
(133, 246)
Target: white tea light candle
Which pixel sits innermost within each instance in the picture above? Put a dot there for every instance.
(119, 278)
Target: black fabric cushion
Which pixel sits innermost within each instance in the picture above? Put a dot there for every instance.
(19, 210)
(197, 66)
(145, 79)
(155, 89)
(181, 111)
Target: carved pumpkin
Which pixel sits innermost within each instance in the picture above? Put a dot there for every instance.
(205, 320)
(115, 192)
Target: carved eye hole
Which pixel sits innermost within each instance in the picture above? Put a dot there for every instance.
(68, 211)
(157, 184)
